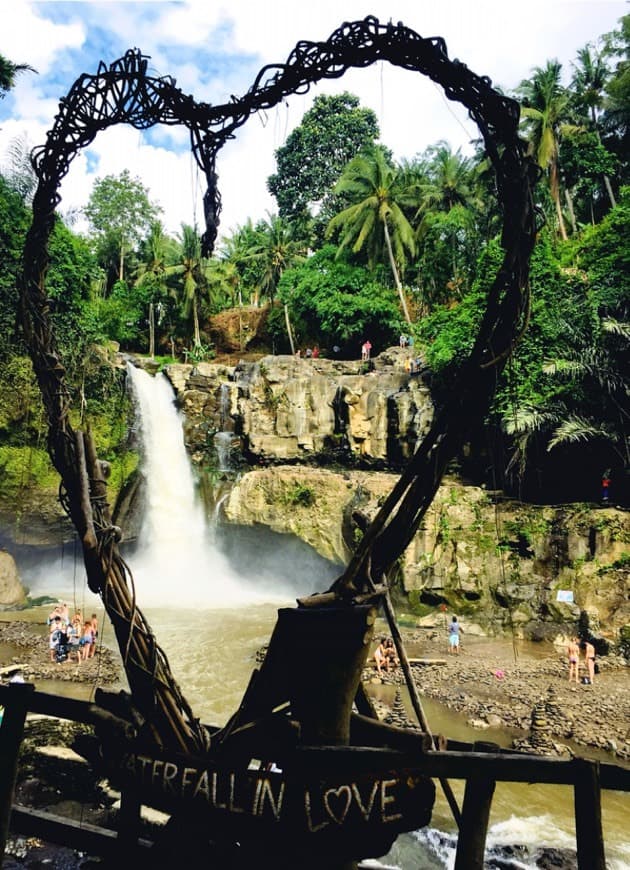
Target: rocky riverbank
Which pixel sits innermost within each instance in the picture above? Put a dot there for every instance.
(496, 688)
(27, 646)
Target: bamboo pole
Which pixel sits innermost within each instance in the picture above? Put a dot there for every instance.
(415, 697)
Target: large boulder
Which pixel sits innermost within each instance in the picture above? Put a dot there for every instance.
(12, 592)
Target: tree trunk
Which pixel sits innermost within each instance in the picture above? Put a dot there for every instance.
(561, 226)
(151, 330)
(571, 210)
(609, 191)
(607, 184)
(196, 333)
(121, 262)
(289, 330)
(392, 263)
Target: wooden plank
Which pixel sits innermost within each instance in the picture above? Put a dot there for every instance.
(425, 661)
(588, 816)
(66, 832)
(471, 842)
(11, 733)
(71, 708)
(501, 766)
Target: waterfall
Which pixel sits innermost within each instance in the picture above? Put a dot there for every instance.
(176, 563)
(224, 437)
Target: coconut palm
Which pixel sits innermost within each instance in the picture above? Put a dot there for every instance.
(153, 271)
(590, 76)
(544, 111)
(375, 221)
(8, 72)
(275, 249)
(224, 284)
(449, 180)
(193, 271)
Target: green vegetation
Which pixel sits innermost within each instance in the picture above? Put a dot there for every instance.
(364, 245)
(302, 495)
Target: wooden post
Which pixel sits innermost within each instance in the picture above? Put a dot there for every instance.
(128, 823)
(414, 694)
(11, 733)
(588, 815)
(473, 828)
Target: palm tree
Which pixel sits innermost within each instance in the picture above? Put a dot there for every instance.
(590, 76)
(448, 204)
(153, 271)
(224, 284)
(236, 250)
(8, 72)
(275, 249)
(596, 371)
(544, 109)
(376, 219)
(193, 269)
(449, 180)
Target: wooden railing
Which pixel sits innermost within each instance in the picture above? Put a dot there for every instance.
(481, 765)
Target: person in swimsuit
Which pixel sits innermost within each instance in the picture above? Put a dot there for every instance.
(380, 657)
(390, 655)
(589, 657)
(573, 652)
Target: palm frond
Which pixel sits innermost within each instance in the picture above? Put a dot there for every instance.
(576, 429)
(616, 327)
(527, 420)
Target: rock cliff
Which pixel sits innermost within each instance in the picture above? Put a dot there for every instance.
(286, 409)
(501, 563)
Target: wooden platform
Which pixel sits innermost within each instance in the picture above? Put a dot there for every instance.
(424, 661)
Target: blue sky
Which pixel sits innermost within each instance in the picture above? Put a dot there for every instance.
(214, 49)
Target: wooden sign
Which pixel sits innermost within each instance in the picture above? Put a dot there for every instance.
(355, 810)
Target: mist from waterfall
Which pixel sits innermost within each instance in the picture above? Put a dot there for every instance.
(176, 563)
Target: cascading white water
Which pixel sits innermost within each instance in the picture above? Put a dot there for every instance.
(176, 563)
(224, 438)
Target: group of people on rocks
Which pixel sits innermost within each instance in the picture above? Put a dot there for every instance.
(573, 652)
(385, 656)
(309, 353)
(70, 638)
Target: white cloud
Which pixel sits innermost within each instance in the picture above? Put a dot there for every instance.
(29, 37)
(219, 47)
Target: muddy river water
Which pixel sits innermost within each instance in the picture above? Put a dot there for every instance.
(211, 653)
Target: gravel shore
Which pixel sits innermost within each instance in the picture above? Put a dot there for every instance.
(494, 687)
(27, 645)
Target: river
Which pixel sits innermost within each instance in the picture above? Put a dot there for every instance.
(211, 599)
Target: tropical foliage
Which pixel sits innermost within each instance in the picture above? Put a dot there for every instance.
(365, 245)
